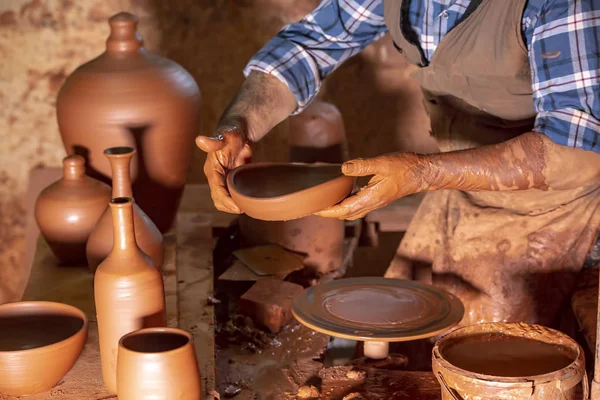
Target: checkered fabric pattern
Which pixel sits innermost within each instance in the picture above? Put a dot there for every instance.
(562, 36)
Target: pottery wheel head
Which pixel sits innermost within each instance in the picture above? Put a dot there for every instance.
(377, 309)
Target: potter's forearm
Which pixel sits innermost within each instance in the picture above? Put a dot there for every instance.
(528, 161)
(262, 102)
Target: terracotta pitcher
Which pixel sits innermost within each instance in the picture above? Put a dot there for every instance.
(147, 235)
(315, 135)
(129, 96)
(158, 363)
(128, 290)
(67, 211)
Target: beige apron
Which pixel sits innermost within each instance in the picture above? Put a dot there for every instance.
(509, 256)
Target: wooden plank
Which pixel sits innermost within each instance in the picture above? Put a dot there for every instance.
(195, 284)
(196, 198)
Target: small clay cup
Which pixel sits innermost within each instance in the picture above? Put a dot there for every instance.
(39, 343)
(287, 191)
(157, 364)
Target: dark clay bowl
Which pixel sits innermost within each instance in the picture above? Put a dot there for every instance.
(287, 191)
(39, 343)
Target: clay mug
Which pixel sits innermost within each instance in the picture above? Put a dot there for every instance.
(157, 364)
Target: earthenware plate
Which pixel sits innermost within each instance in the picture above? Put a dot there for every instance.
(377, 309)
(287, 191)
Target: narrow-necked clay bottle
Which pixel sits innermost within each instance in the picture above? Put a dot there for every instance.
(315, 135)
(67, 211)
(147, 235)
(128, 290)
(129, 96)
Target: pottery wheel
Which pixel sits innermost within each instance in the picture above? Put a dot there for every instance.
(377, 309)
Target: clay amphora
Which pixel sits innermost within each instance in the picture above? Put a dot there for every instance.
(129, 96)
(128, 290)
(157, 363)
(315, 135)
(67, 211)
(147, 235)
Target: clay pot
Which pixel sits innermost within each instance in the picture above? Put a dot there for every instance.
(315, 135)
(509, 361)
(67, 211)
(129, 96)
(157, 363)
(39, 343)
(128, 290)
(287, 191)
(147, 235)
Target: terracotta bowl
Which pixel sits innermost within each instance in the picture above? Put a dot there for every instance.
(39, 343)
(287, 191)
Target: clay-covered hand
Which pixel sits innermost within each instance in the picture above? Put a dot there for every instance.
(227, 149)
(394, 176)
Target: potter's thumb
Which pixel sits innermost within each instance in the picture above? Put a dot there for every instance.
(360, 167)
(210, 144)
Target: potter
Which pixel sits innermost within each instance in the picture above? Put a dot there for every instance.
(513, 198)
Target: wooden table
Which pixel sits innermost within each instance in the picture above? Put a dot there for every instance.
(187, 274)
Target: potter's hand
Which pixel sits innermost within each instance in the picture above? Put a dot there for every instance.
(394, 176)
(227, 149)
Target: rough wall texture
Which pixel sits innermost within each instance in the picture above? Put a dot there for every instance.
(42, 41)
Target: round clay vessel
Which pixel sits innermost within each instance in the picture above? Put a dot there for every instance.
(287, 191)
(509, 361)
(39, 343)
(128, 291)
(67, 211)
(147, 235)
(158, 363)
(315, 135)
(129, 96)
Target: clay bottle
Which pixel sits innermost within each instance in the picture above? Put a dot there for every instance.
(315, 135)
(147, 235)
(128, 290)
(129, 96)
(67, 210)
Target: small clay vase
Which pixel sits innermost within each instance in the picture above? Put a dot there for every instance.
(128, 290)
(147, 235)
(158, 363)
(67, 211)
(315, 135)
(129, 96)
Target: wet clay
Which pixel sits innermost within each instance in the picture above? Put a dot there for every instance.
(39, 343)
(22, 332)
(283, 191)
(282, 180)
(377, 309)
(376, 306)
(157, 363)
(502, 355)
(129, 96)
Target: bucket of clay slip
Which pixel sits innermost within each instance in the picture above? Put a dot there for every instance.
(509, 362)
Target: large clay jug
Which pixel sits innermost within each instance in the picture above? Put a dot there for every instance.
(67, 211)
(315, 135)
(129, 96)
(128, 291)
(147, 235)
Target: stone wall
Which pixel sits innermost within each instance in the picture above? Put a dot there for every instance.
(42, 41)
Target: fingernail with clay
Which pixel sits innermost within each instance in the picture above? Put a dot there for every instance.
(347, 167)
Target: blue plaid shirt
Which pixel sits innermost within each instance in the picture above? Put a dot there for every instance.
(565, 79)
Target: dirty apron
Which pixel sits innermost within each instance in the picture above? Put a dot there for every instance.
(509, 256)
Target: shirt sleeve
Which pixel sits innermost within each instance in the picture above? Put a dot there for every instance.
(565, 62)
(304, 53)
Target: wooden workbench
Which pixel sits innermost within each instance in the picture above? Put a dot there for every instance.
(187, 274)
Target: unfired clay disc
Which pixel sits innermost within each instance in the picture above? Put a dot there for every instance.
(380, 309)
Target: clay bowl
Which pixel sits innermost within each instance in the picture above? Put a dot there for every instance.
(39, 343)
(287, 191)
